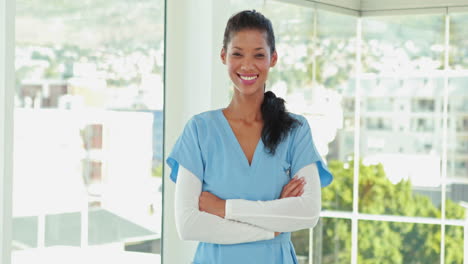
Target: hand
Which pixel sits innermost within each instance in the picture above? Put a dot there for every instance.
(212, 204)
(277, 234)
(294, 188)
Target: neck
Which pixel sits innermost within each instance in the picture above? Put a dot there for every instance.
(246, 108)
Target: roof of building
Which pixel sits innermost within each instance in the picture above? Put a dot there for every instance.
(65, 229)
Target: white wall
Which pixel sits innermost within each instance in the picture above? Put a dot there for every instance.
(195, 81)
(7, 36)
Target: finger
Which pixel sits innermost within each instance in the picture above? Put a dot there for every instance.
(295, 192)
(290, 192)
(299, 188)
(288, 188)
(292, 183)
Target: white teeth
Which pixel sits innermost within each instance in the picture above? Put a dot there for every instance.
(247, 78)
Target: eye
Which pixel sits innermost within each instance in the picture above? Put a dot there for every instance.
(260, 55)
(236, 54)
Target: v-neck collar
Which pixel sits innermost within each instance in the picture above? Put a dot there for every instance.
(235, 142)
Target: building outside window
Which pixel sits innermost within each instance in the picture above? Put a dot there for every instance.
(88, 131)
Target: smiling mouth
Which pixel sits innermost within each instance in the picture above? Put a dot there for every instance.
(248, 77)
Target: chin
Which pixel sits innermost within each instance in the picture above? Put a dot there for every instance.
(247, 90)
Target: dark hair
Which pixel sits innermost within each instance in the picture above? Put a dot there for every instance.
(276, 120)
(249, 20)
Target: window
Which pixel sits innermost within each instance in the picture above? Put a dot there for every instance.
(379, 104)
(348, 105)
(457, 163)
(462, 145)
(88, 129)
(376, 123)
(400, 144)
(462, 124)
(423, 105)
(422, 124)
(92, 136)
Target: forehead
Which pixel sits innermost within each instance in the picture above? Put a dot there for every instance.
(249, 38)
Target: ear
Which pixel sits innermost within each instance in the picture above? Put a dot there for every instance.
(274, 59)
(223, 56)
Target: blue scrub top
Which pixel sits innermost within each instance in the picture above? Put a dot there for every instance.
(209, 149)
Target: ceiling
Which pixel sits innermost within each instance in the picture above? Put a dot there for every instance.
(375, 7)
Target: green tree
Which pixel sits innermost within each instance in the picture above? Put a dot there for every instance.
(383, 242)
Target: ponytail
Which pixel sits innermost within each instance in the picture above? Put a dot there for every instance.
(276, 121)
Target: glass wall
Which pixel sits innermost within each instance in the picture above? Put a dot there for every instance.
(400, 140)
(88, 131)
(410, 102)
(457, 131)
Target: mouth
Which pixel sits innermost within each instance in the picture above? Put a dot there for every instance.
(248, 78)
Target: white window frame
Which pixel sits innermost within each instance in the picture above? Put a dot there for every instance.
(7, 43)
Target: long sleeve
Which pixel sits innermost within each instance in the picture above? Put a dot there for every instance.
(192, 224)
(282, 215)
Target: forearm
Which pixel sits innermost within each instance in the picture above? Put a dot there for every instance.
(192, 224)
(282, 215)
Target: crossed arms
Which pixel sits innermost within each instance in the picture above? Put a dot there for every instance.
(207, 218)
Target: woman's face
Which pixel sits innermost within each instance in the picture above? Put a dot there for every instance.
(248, 59)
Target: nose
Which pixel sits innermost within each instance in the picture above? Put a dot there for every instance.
(247, 64)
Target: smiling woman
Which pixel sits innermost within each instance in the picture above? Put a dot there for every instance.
(249, 172)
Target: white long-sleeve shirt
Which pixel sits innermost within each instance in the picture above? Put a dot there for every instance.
(245, 221)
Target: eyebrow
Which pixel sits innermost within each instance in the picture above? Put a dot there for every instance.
(241, 48)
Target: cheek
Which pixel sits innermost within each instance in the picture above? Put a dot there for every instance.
(265, 66)
(231, 67)
(231, 70)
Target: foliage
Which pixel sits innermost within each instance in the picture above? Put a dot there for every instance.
(382, 242)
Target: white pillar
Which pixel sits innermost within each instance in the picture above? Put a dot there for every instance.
(7, 42)
(194, 82)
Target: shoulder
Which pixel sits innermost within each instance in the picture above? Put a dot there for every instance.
(298, 117)
(202, 122)
(206, 116)
(302, 121)
(301, 129)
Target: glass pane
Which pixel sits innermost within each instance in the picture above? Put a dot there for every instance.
(240, 5)
(24, 232)
(391, 243)
(335, 51)
(454, 244)
(401, 117)
(88, 130)
(457, 152)
(401, 157)
(458, 57)
(300, 241)
(332, 241)
(315, 76)
(403, 44)
(332, 110)
(294, 33)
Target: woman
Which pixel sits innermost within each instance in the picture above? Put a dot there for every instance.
(233, 166)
